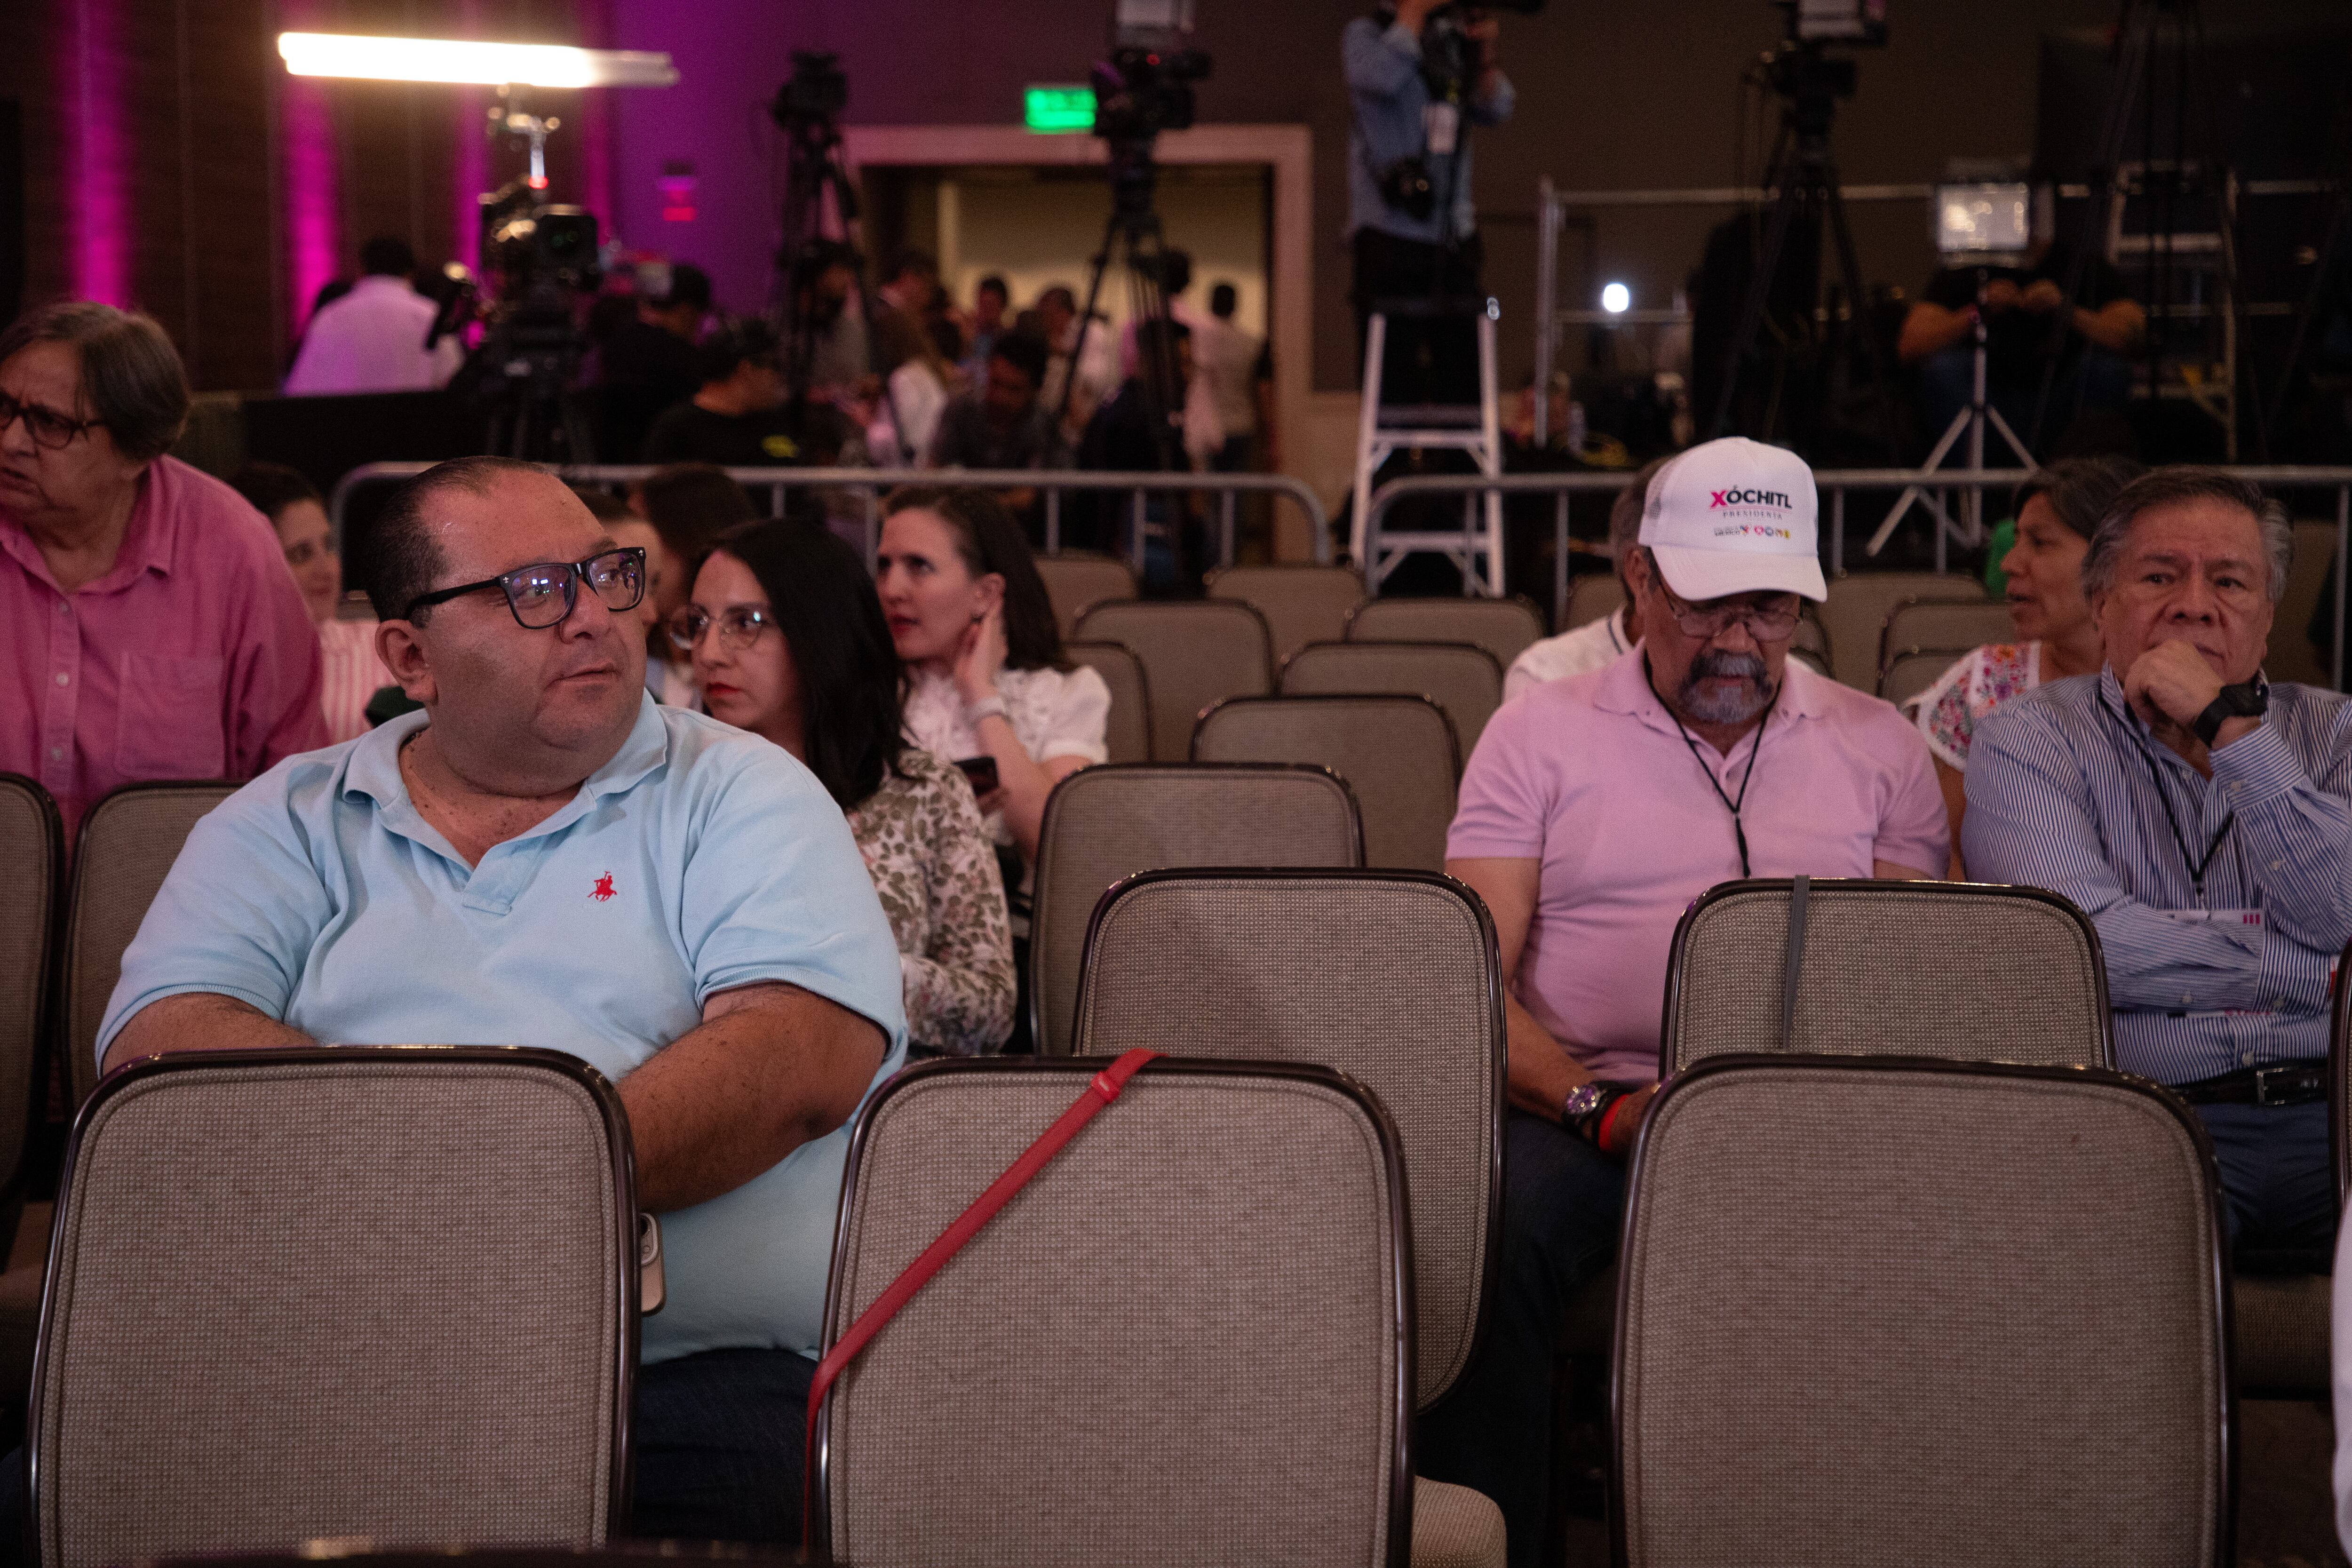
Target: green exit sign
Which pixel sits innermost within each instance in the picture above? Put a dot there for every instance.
(1052, 110)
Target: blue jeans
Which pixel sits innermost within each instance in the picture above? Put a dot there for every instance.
(1562, 1200)
(2098, 380)
(2278, 1186)
(719, 1440)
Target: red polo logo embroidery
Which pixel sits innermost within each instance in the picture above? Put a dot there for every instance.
(602, 892)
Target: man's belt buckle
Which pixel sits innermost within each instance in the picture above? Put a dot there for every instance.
(2280, 1085)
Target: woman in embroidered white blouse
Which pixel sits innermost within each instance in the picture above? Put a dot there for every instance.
(985, 674)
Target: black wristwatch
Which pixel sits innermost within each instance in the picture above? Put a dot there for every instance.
(2250, 701)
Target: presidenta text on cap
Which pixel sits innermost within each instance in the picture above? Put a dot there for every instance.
(1762, 512)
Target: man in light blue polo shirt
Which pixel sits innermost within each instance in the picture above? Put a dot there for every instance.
(545, 857)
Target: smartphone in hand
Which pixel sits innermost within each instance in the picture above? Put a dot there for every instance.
(982, 772)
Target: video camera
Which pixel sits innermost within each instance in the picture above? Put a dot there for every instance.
(1449, 60)
(1141, 91)
(818, 90)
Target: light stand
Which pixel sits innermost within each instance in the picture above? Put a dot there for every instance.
(1973, 421)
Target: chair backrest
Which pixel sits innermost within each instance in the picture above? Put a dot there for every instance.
(1980, 1283)
(1169, 1350)
(1592, 595)
(1504, 627)
(32, 846)
(386, 1292)
(125, 849)
(1398, 754)
(1304, 966)
(1943, 626)
(1911, 674)
(1077, 578)
(1127, 736)
(1811, 636)
(1460, 678)
(1195, 653)
(1857, 610)
(1301, 603)
(1960, 970)
(1105, 823)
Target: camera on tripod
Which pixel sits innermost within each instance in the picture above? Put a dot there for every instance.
(541, 254)
(1139, 92)
(817, 90)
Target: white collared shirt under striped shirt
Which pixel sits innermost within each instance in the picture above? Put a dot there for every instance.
(2063, 793)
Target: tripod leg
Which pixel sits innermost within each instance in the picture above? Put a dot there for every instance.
(1751, 309)
(1857, 304)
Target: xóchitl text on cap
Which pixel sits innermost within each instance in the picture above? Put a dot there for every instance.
(1736, 516)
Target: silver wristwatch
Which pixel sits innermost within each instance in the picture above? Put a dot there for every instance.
(1584, 1101)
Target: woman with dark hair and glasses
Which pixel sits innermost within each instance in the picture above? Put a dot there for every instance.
(788, 642)
(148, 628)
(985, 674)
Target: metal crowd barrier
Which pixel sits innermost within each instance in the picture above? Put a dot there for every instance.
(870, 483)
(1834, 485)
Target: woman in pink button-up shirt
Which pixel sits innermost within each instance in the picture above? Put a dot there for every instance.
(148, 628)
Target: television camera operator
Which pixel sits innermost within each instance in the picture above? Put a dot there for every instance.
(1419, 75)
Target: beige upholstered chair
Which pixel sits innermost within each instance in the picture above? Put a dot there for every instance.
(1397, 753)
(1272, 966)
(1983, 1321)
(1857, 607)
(1504, 627)
(1461, 677)
(1103, 824)
(1169, 1349)
(1909, 674)
(1077, 578)
(1301, 603)
(1194, 652)
(126, 847)
(32, 847)
(1887, 968)
(1943, 626)
(1592, 595)
(387, 1293)
(1128, 734)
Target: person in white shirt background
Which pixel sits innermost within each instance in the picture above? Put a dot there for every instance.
(372, 339)
(1596, 643)
(1232, 365)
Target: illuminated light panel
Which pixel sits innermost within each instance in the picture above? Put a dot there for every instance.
(1616, 299)
(466, 62)
(1058, 110)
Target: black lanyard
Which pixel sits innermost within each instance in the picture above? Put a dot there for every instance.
(2197, 868)
(1739, 832)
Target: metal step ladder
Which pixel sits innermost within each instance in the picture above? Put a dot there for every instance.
(1477, 548)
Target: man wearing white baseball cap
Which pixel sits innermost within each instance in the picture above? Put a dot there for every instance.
(1594, 811)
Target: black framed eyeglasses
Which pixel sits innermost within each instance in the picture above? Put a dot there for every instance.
(542, 595)
(740, 627)
(48, 427)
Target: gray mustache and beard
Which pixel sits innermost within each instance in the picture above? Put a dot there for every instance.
(1736, 705)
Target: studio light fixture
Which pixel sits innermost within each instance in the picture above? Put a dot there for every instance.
(470, 62)
(1616, 299)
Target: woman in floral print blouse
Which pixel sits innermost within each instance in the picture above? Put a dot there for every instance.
(2058, 507)
(788, 642)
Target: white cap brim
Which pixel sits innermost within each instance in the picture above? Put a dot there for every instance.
(1697, 575)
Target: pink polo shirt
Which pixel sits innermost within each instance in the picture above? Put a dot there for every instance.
(193, 659)
(1589, 776)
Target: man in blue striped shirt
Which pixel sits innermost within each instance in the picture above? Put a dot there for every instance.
(2204, 820)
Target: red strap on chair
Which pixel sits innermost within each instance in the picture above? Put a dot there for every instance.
(1101, 1090)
